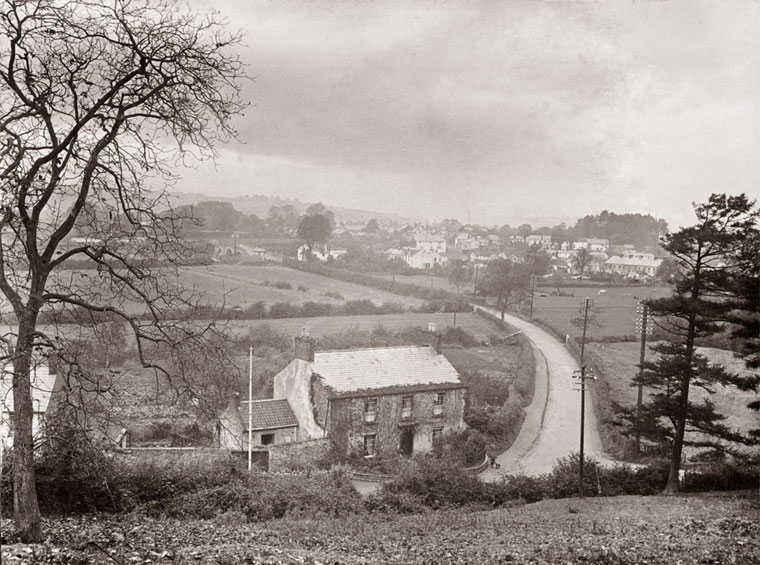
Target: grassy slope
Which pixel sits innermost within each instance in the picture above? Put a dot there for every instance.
(240, 285)
(618, 363)
(622, 530)
(613, 312)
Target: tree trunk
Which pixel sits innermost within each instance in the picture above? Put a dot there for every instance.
(673, 485)
(25, 508)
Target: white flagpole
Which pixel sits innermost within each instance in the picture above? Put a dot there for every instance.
(250, 406)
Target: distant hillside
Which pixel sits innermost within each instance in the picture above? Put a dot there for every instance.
(259, 204)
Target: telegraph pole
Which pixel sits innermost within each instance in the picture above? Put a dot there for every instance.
(643, 326)
(583, 374)
(532, 290)
(250, 407)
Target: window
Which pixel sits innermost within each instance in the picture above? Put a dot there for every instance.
(407, 403)
(370, 410)
(438, 403)
(437, 434)
(369, 445)
(267, 439)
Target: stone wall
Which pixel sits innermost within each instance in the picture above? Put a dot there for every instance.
(299, 455)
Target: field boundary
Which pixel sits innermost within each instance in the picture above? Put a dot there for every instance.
(400, 288)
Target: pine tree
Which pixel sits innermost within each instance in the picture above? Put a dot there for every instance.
(709, 255)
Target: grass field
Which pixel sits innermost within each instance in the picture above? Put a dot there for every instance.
(435, 282)
(239, 285)
(618, 364)
(613, 312)
(621, 530)
(322, 326)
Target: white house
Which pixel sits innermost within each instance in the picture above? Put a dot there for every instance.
(592, 244)
(430, 242)
(44, 383)
(324, 253)
(544, 241)
(633, 265)
(420, 259)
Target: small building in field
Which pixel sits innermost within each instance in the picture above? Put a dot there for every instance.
(273, 423)
(373, 401)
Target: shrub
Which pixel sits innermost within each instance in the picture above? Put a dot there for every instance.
(73, 474)
(302, 288)
(460, 336)
(463, 448)
(436, 483)
(266, 497)
(333, 295)
(283, 285)
(723, 476)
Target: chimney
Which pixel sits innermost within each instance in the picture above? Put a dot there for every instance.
(304, 346)
(437, 343)
(234, 402)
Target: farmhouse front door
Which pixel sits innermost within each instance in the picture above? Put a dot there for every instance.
(407, 442)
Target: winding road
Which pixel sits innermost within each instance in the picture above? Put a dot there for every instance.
(551, 429)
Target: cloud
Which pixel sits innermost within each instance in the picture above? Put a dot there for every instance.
(536, 107)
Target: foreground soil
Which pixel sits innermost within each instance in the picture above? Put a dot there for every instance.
(712, 528)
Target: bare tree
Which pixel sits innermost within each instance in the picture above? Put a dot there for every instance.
(98, 102)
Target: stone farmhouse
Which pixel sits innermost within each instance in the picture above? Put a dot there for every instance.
(373, 401)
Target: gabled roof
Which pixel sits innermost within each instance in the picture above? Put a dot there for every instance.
(43, 385)
(268, 414)
(378, 368)
(637, 261)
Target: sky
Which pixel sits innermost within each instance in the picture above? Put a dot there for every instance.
(488, 110)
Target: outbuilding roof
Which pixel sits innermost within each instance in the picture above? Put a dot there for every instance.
(374, 368)
(268, 414)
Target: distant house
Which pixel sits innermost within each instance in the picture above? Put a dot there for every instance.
(544, 241)
(430, 242)
(466, 242)
(633, 265)
(374, 401)
(273, 423)
(45, 384)
(321, 253)
(592, 244)
(420, 259)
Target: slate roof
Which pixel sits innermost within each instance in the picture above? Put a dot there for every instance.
(383, 367)
(638, 261)
(43, 384)
(268, 414)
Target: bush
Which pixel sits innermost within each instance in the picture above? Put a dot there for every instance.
(267, 497)
(465, 448)
(723, 476)
(73, 475)
(436, 483)
(283, 285)
(460, 336)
